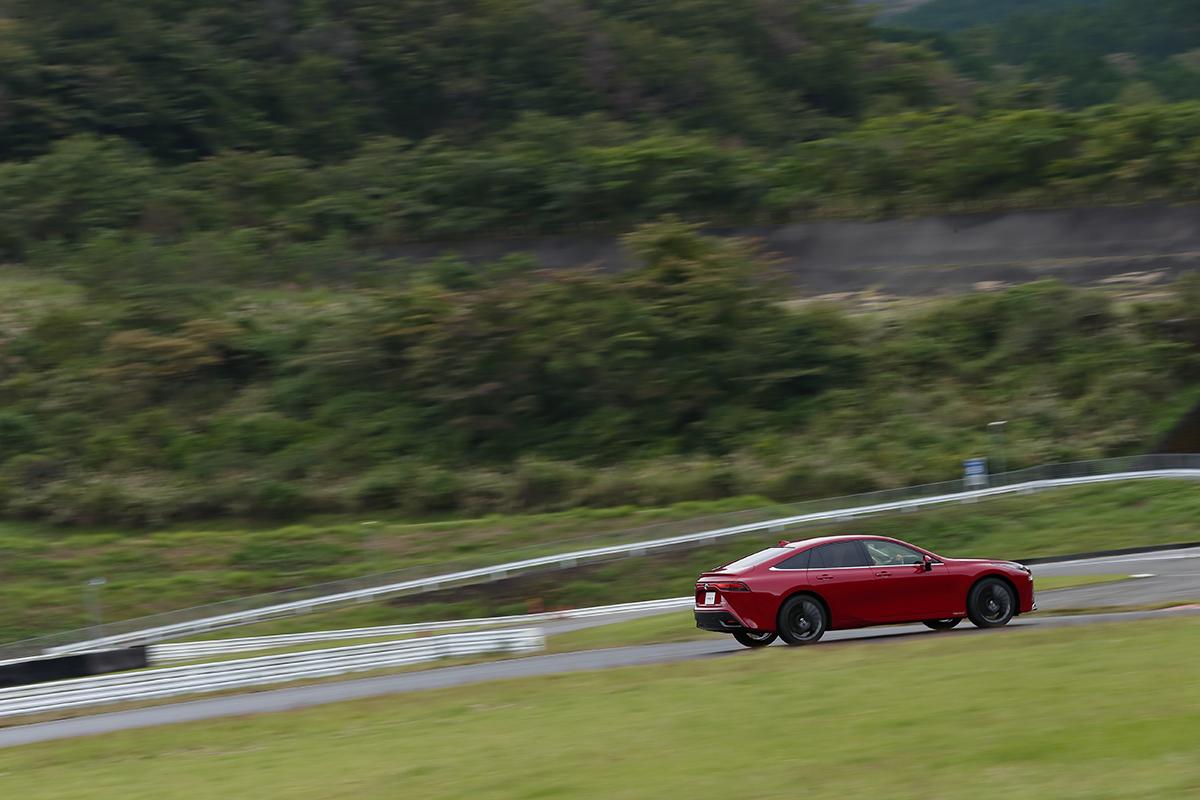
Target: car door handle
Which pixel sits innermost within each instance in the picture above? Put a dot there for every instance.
(883, 573)
(825, 577)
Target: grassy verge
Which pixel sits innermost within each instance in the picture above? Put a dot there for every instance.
(1049, 584)
(1158, 605)
(1106, 711)
(677, 626)
(172, 569)
(43, 569)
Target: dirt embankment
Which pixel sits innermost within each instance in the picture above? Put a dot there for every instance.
(1138, 246)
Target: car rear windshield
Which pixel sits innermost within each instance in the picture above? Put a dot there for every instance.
(755, 559)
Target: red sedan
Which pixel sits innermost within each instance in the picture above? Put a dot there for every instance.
(799, 590)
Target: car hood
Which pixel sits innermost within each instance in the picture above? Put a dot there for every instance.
(986, 562)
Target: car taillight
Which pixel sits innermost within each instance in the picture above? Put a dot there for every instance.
(729, 586)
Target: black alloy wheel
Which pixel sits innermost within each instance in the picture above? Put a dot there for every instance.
(991, 603)
(802, 620)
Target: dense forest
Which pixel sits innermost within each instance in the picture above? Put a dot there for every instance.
(315, 79)
(1089, 51)
(957, 15)
(100, 210)
(200, 315)
(280, 133)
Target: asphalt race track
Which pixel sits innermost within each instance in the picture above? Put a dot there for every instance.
(1171, 576)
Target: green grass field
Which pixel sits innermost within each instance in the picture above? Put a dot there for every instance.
(42, 571)
(1097, 712)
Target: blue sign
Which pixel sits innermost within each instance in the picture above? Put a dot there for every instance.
(975, 472)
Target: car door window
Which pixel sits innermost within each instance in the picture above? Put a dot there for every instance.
(890, 554)
(838, 554)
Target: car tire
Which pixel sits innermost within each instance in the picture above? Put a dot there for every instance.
(802, 620)
(754, 638)
(941, 624)
(991, 603)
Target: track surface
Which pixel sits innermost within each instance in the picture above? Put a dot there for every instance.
(1175, 576)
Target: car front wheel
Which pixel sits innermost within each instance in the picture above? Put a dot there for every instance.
(802, 620)
(991, 603)
(754, 638)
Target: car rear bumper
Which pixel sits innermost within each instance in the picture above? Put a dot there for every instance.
(720, 621)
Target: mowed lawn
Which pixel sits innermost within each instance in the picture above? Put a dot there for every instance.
(1098, 712)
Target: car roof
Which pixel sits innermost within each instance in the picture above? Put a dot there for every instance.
(816, 540)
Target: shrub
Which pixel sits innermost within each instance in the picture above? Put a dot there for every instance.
(546, 485)
(276, 500)
(380, 488)
(17, 434)
(33, 471)
(482, 492)
(430, 489)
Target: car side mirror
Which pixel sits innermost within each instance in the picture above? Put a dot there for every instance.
(927, 564)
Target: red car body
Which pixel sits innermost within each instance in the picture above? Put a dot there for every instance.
(857, 581)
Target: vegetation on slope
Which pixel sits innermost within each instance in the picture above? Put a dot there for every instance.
(206, 322)
(279, 141)
(317, 80)
(1085, 51)
(101, 210)
(42, 572)
(685, 378)
(955, 15)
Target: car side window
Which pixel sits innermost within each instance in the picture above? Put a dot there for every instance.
(838, 554)
(890, 554)
(798, 561)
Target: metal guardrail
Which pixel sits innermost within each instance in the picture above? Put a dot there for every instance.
(153, 684)
(772, 519)
(188, 651)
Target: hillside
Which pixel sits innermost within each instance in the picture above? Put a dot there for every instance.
(501, 388)
(1086, 52)
(887, 8)
(956, 15)
(205, 316)
(317, 80)
(156, 132)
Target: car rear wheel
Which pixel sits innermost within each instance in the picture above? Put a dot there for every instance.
(754, 638)
(802, 620)
(991, 603)
(941, 624)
